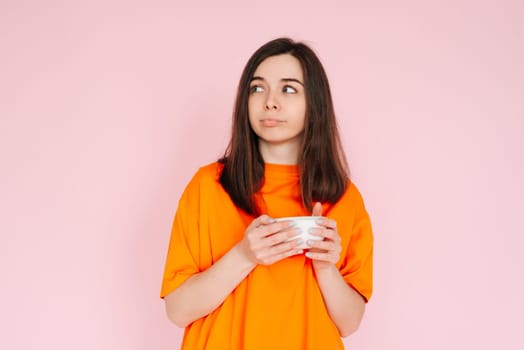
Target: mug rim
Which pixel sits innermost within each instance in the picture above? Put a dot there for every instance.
(293, 218)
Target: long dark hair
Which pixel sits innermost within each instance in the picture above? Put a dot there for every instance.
(324, 174)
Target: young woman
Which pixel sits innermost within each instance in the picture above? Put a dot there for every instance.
(234, 277)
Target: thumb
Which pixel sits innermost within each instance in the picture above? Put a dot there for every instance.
(317, 209)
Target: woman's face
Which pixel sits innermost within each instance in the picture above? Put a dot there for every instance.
(277, 101)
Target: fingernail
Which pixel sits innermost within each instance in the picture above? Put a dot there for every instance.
(310, 242)
(320, 221)
(313, 230)
(308, 254)
(299, 241)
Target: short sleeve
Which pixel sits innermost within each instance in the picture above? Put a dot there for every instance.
(182, 254)
(357, 265)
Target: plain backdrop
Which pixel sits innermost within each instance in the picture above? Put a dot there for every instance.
(107, 108)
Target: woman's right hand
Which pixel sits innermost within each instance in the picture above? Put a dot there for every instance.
(266, 241)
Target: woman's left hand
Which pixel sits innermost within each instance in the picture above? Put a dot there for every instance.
(324, 253)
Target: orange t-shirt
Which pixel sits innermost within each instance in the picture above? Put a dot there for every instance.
(278, 306)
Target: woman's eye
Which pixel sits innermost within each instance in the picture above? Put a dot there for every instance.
(289, 89)
(256, 88)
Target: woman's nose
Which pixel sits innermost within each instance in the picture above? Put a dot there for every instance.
(271, 103)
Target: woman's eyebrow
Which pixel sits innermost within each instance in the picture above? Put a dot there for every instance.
(283, 79)
(292, 79)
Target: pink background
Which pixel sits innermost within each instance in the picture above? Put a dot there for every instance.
(108, 108)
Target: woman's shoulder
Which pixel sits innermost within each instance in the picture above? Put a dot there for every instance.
(350, 202)
(211, 171)
(352, 194)
(208, 174)
(204, 179)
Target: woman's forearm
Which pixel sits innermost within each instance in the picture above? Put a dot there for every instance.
(345, 306)
(265, 242)
(203, 292)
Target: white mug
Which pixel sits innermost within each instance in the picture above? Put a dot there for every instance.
(304, 223)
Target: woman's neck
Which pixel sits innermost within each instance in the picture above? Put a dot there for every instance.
(284, 153)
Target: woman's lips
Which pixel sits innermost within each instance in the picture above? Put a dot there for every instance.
(269, 123)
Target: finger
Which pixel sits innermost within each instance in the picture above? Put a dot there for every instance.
(317, 209)
(271, 228)
(263, 220)
(322, 257)
(259, 241)
(328, 246)
(327, 222)
(284, 247)
(279, 237)
(325, 233)
(280, 251)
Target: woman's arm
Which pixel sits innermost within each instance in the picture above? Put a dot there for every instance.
(205, 291)
(345, 305)
(263, 243)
